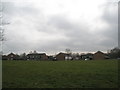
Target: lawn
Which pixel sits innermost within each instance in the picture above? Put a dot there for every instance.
(60, 74)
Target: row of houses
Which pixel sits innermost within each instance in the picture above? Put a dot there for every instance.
(61, 56)
(89, 56)
(32, 56)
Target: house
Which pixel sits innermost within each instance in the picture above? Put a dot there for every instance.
(43, 56)
(60, 56)
(12, 56)
(63, 56)
(37, 56)
(99, 55)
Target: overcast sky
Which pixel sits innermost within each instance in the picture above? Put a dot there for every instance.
(52, 26)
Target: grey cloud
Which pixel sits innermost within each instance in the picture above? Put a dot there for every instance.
(10, 8)
(68, 27)
(110, 16)
(110, 13)
(79, 33)
(60, 22)
(78, 36)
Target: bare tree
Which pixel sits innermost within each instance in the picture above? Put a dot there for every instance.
(114, 53)
(68, 51)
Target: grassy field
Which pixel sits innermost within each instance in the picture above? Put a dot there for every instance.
(60, 74)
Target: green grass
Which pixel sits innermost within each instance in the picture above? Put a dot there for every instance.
(60, 74)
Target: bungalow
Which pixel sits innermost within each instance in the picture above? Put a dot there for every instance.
(37, 56)
(99, 55)
(60, 56)
(63, 56)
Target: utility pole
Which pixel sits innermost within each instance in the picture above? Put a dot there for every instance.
(0, 44)
(1, 39)
(1, 31)
(119, 24)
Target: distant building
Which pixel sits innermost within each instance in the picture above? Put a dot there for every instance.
(63, 56)
(99, 55)
(37, 56)
(12, 56)
(60, 56)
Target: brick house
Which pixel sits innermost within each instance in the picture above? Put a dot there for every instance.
(63, 56)
(99, 55)
(37, 56)
(60, 56)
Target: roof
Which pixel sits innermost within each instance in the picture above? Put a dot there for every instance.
(11, 53)
(37, 54)
(61, 53)
(99, 52)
